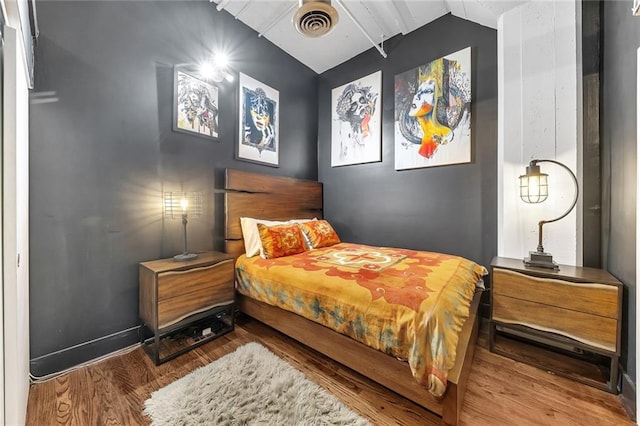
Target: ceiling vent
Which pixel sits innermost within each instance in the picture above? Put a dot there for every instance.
(315, 18)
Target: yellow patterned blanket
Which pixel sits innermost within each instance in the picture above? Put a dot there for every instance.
(406, 303)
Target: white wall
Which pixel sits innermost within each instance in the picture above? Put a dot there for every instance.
(539, 116)
(15, 217)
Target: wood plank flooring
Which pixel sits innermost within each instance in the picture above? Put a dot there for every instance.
(500, 391)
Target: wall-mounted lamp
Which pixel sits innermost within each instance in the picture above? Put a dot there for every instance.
(182, 205)
(217, 69)
(534, 189)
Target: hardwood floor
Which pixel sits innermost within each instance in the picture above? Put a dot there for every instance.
(500, 391)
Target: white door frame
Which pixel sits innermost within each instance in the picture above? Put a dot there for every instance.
(2, 364)
(637, 225)
(15, 251)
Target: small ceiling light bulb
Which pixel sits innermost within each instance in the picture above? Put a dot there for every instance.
(221, 60)
(206, 69)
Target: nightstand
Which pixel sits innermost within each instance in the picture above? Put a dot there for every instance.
(566, 322)
(185, 304)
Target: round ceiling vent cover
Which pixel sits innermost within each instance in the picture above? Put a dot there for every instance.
(315, 18)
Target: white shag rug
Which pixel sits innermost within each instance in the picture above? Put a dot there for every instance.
(250, 386)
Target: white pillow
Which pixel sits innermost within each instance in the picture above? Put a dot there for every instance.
(251, 236)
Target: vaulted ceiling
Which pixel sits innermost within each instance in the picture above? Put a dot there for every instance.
(361, 23)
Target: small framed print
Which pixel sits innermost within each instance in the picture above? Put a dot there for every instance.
(195, 105)
(355, 121)
(258, 136)
(432, 114)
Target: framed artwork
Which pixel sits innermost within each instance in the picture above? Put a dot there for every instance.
(258, 136)
(355, 121)
(195, 105)
(432, 116)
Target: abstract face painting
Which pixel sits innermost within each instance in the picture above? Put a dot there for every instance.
(355, 121)
(259, 130)
(258, 122)
(433, 113)
(196, 106)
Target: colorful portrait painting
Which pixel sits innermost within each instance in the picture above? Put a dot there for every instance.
(355, 121)
(195, 105)
(432, 114)
(258, 133)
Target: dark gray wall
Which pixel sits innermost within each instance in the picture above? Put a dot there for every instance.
(621, 34)
(449, 209)
(104, 151)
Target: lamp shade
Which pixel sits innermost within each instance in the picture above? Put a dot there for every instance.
(534, 189)
(183, 205)
(533, 185)
(176, 204)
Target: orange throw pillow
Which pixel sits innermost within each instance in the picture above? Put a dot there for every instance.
(281, 240)
(319, 233)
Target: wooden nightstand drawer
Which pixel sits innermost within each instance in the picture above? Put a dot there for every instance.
(589, 329)
(175, 309)
(217, 278)
(184, 293)
(593, 298)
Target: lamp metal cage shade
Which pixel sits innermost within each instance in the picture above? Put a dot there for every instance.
(178, 203)
(533, 186)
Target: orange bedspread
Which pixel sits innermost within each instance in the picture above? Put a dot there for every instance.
(409, 304)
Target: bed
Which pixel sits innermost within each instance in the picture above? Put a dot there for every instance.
(279, 198)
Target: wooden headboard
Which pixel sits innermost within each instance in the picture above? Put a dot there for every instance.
(266, 197)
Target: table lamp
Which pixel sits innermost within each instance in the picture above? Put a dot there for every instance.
(182, 205)
(534, 189)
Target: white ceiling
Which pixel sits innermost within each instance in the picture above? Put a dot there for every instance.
(380, 19)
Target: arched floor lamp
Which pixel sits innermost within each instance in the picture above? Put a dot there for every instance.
(534, 189)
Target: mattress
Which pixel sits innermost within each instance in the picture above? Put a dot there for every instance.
(409, 304)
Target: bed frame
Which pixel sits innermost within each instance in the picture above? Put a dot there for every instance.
(281, 198)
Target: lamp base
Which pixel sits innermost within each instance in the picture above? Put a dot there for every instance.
(184, 257)
(540, 260)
